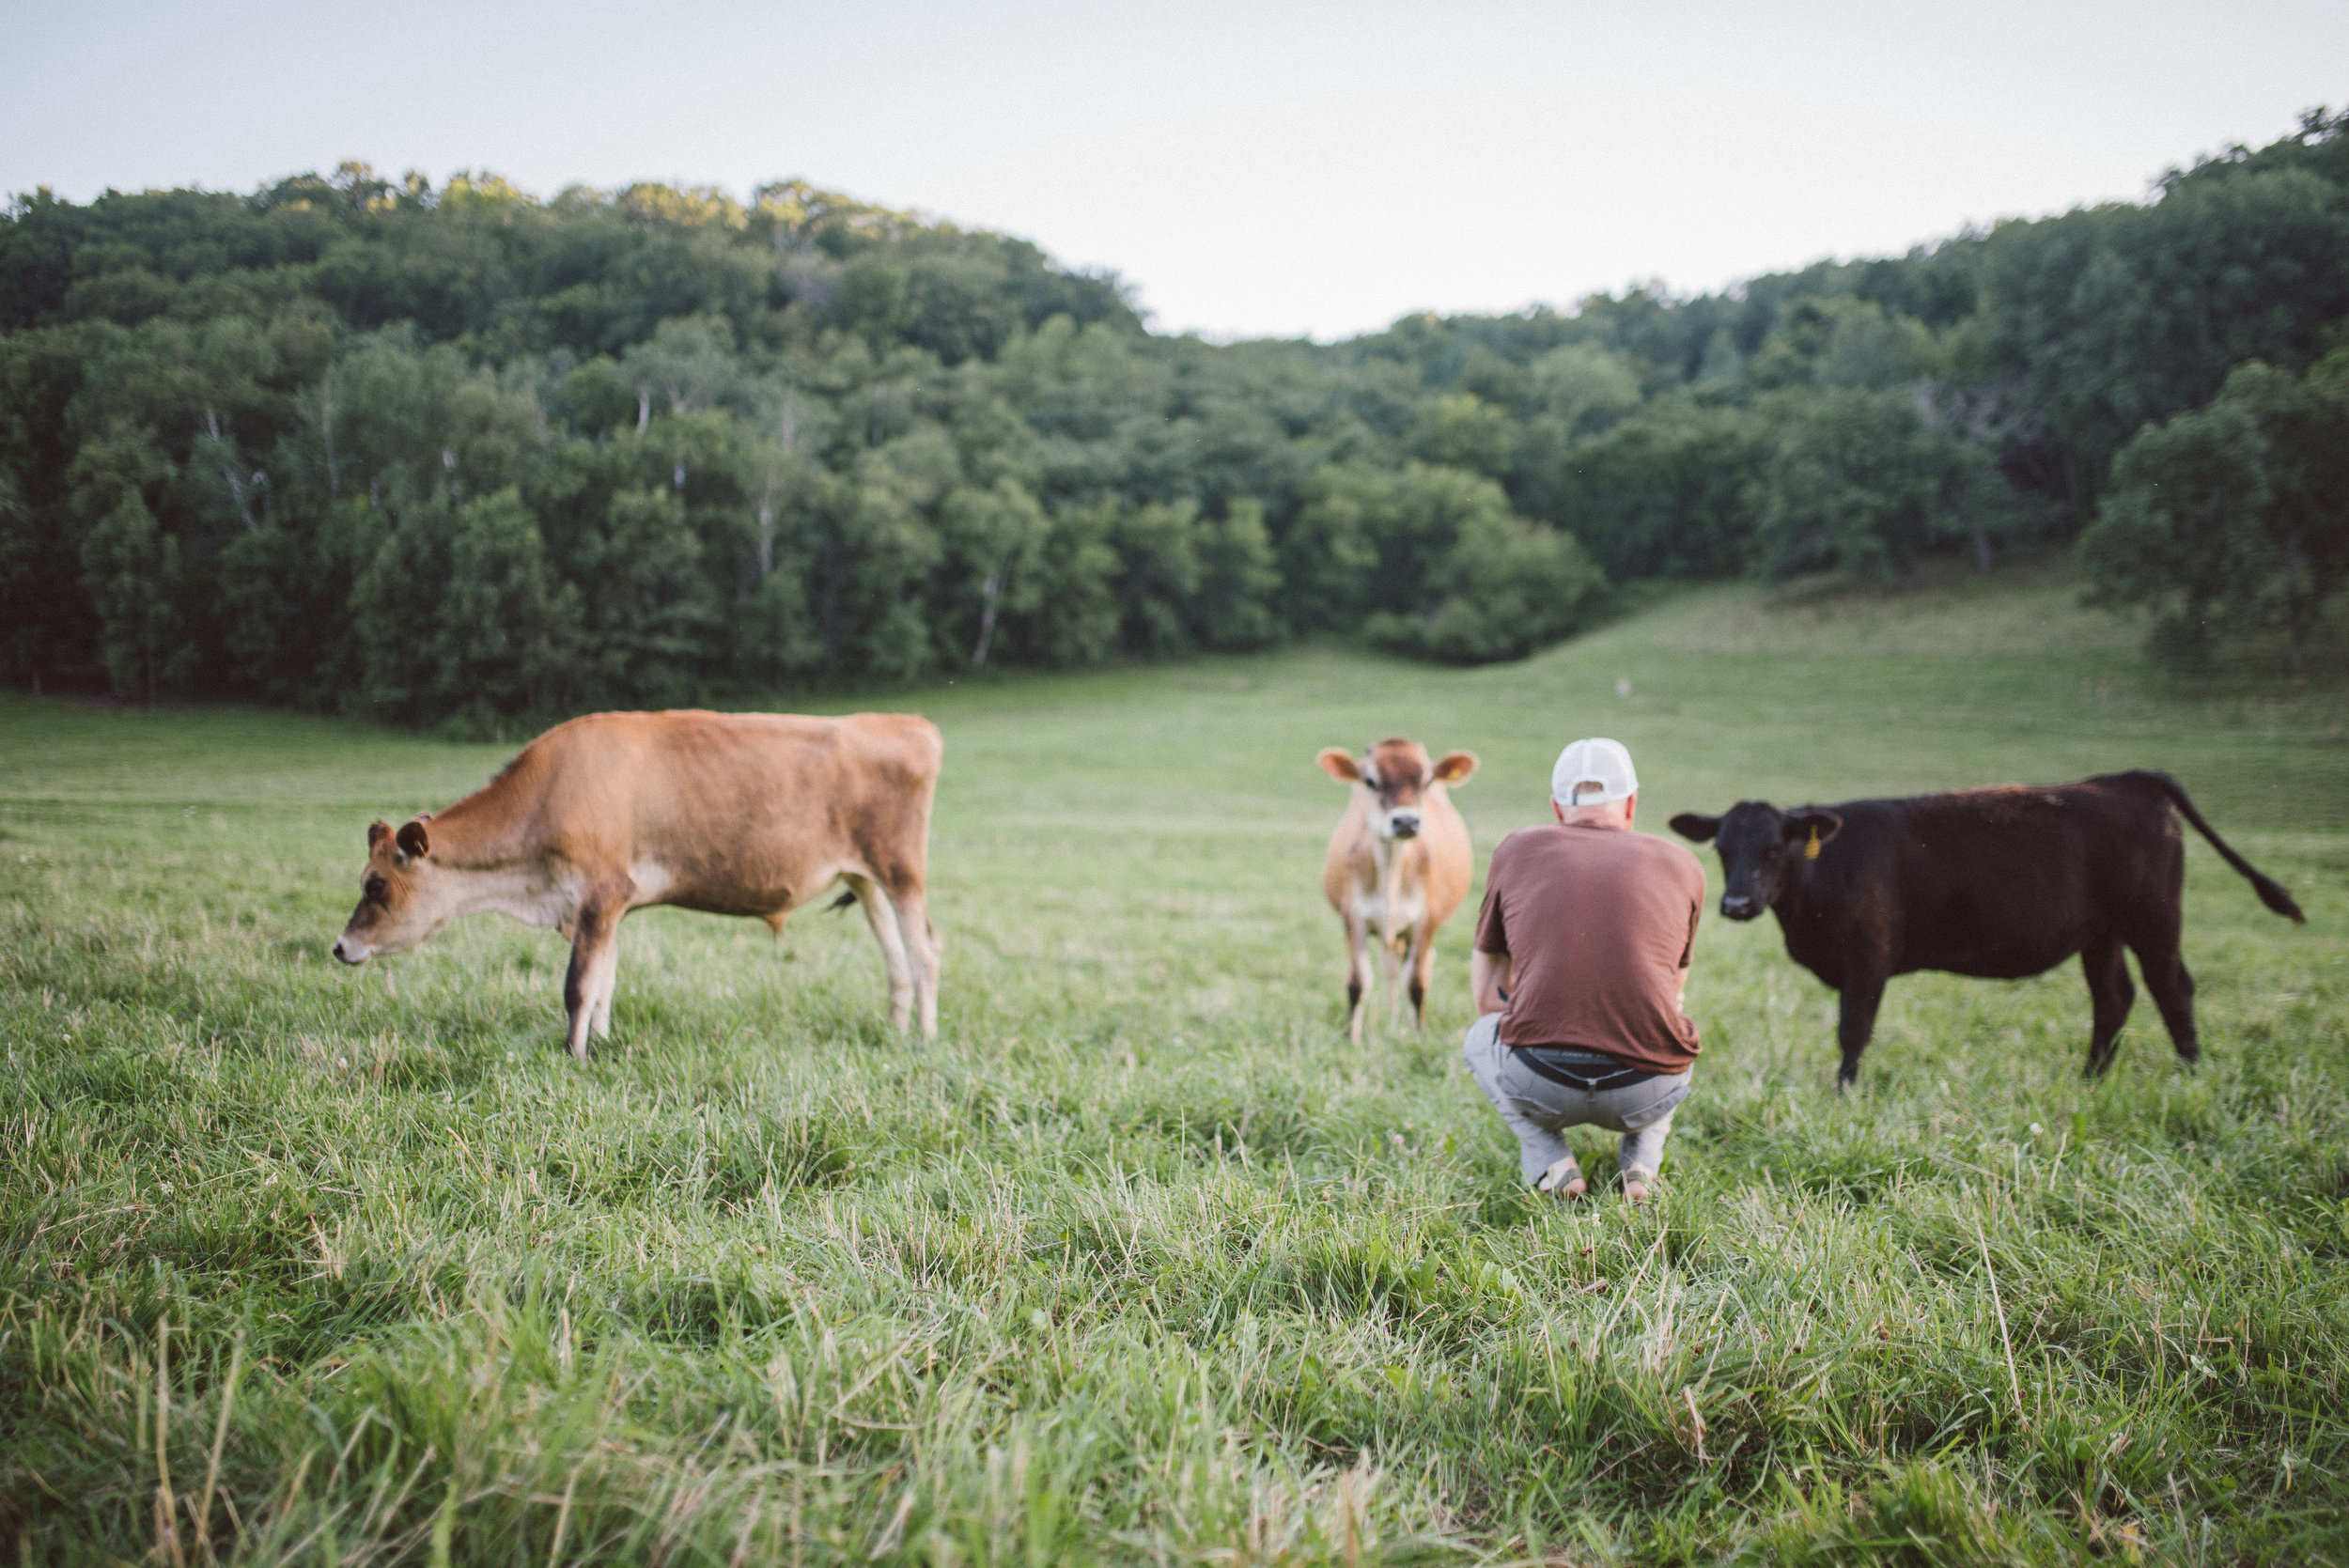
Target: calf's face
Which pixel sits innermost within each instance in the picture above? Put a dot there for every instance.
(403, 899)
(1396, 775)
(1763, 849)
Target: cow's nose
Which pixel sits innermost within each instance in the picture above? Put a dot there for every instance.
(1405, 823)
(1737, 906)
(343, 954)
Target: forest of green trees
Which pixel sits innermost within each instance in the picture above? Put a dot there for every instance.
(459, 455)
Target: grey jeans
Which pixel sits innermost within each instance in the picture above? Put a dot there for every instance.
(1538, 1109)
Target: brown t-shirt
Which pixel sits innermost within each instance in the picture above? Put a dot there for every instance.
(1598, 923)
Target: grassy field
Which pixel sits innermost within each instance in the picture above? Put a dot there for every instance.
(1142, 1262)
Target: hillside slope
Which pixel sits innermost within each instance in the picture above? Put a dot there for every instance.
(1143, 1261)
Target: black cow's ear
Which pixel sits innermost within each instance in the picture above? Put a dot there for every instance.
(413, 841)
(1812, 825)
(1688, 824)
(376, 834)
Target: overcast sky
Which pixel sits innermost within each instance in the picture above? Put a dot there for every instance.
(1253, 168)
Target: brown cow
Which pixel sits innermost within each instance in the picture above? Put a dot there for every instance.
(1400, 862)
(731, 813)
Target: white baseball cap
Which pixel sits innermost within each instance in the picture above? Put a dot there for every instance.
(1592, 773)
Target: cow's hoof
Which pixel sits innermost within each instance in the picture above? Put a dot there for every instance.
(1634, 1191)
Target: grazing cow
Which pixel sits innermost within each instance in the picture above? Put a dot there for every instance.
(1400, 863)
(1997, 883)
(731, 813)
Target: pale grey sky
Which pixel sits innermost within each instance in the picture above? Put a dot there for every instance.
(1253, 168)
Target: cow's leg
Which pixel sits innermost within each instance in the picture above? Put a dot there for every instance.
(2153, 927)
(1356, 975)
(882, 919)
(595, 966)
(1857, 1024)
(2164, 969)
(1391, 968)
(2109, 995)
(1421, 967)
(922, 953)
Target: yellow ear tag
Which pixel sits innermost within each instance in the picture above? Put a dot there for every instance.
(1811, 849)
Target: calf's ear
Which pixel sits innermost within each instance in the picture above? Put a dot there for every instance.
(1455, 768)
(1810, 824)
(1688, 824)
(413, 841)
(376, 834)
(1339, 764)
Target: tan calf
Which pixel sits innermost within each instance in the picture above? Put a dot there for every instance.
(731, 813)
(1399, 864)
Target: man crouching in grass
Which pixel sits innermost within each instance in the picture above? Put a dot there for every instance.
(1580, 972)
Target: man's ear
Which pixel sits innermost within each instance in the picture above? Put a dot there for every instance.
(1339, 764)
(376, 834)
(1811, 821)
(1455, 768)
(413, 841)
(1688, 824)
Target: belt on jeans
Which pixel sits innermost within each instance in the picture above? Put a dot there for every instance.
(1587, 1071)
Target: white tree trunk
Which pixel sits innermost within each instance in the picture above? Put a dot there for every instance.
(223, 452)
(986, 616)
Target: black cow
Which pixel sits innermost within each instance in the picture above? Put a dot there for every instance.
(1998, 883)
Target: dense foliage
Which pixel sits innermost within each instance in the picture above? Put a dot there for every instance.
(374, 446)
(2237, 515)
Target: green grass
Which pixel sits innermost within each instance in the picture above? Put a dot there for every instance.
(1142, 1262)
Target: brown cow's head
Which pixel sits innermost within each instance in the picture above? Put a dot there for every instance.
(403, 897)
(1397, 775)
(1761, 850)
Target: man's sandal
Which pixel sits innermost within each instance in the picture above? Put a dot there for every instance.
(1563, 1181)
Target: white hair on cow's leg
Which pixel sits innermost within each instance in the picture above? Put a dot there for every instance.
(1417, 967)
(1358, 974)
(881, 916)
(596, 962)
(922, 955)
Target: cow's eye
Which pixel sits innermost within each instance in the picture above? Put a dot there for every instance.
(373, 887)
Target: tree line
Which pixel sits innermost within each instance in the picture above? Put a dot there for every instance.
(459, 454)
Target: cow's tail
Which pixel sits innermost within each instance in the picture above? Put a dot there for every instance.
(2271, 892)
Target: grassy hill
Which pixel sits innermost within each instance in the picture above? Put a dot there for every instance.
(1143, 1261)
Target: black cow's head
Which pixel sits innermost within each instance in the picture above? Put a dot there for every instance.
(1761, 847)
